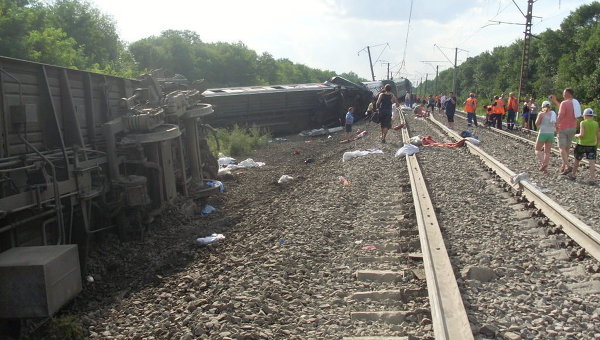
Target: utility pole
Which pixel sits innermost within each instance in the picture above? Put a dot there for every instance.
(388, 71)
(371, 63)
(526, 42)
(454, 75)
(368, 48)
(426, 75)
(525, 57)
(455, 64)
(437, 69)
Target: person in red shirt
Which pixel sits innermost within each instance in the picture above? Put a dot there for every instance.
(470, 106)
(566, 125)
(513, 107)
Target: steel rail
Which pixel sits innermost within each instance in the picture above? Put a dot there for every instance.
(580, 232)
(529, 141)
(448, 314)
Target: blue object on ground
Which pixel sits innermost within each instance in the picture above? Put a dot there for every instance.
(215, 184)
(208, 209)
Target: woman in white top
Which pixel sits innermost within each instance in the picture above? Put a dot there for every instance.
(546, 121)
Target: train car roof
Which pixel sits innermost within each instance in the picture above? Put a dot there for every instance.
(228, 91)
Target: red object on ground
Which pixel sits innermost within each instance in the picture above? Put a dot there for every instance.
(297, 151)
(359, 135)
(399, 126)
(428, 141)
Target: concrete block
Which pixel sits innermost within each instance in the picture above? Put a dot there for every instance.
(38, 281)
(379, 275)
(389, 317)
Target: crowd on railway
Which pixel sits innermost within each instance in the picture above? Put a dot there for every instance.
(549, 124)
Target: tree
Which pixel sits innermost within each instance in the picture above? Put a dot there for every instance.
(51, 45)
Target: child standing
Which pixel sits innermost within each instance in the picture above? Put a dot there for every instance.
(349, 121)
(587, 142)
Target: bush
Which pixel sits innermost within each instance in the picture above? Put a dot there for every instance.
(239, 141)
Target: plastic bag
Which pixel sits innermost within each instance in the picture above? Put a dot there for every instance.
(226, 160)
(473, 140)
(208, 209)
(352, 154)
(285, 179)
(407, 150)
(523, 176)
(250, 163)
(215, 184)
(209, 239)
(416, 140)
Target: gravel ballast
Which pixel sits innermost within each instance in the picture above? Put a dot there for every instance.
(517, 283)
(291, 260)
(576, 196)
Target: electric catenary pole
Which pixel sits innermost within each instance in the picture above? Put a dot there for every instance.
(525, 57)
(368, 48)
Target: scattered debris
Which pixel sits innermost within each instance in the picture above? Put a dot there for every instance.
(523, 176)
(358, 153)
(428, 141)
(416, 140)
(278, 139)
(248, 163)
(407, 150)
(215, 184)
(473, 140)
(343, 181)
(207, 210)
(209, 239)
(285, 179)
(359, 135)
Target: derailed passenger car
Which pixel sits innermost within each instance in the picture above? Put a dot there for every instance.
(285, 109)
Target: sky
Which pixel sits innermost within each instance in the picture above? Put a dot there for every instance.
(333, 34)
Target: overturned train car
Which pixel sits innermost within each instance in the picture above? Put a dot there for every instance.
(285, 109)
(82, 152)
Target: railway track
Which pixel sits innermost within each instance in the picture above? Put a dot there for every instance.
(447, 314)
(579, 231)
(489, 228)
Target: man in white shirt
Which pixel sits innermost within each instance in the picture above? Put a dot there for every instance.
(443, 103)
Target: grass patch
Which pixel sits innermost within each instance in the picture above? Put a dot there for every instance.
(66, 327)
(239, 141)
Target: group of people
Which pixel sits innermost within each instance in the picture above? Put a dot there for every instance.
(562, 124)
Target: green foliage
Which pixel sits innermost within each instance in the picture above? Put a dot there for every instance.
(67, 327)
(567, 57)
(221, 64)
(239, 141)
(52, 46)
(68, 33)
